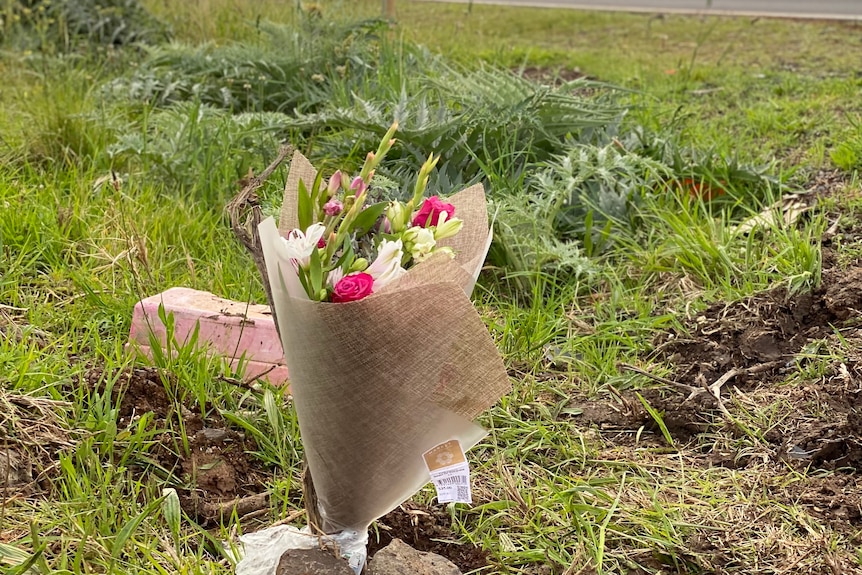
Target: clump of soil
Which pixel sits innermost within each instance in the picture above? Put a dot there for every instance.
(834, 498)
(769, 328)
(425, 529)
(754, 344)
(217, 470)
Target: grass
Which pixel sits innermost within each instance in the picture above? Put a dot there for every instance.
(761, 87)
(106, 199)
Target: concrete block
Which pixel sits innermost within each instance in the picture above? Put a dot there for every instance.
(235, 330)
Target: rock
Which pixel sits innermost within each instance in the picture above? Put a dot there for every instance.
(398, 558)
(312, 562)
(15, 469)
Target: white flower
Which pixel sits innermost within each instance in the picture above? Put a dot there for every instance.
(421, 242)
(299, 245)
(387, 266)
(334, 276)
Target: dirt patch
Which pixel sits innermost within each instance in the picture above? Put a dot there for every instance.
(215, 473)
(425, 529)
(833, 498)
(768, 350)
(826, 431)
(769, 328)
(554, 77)
(746, 349)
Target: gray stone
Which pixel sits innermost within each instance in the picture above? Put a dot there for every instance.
(398, 558)
(315, 561)
(15, 469)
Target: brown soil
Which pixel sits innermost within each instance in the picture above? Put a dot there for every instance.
(756, 344)
(218, 473)
(772, 352)
(549, 76)
(425, 529)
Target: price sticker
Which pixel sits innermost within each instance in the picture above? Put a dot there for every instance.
(450, 472)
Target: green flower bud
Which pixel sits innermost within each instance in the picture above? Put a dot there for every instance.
(448, 228)
(359, 265)
(396, 214)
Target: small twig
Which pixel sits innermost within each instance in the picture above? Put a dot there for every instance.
(715, 391)
(235, 381)
(693, 391)
(247, 384)
(715, 388)
(242, 506)
(312, 506)
(290, 518)
(245, 215)
(259, 377)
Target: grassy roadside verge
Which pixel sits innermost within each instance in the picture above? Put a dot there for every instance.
(579, 473)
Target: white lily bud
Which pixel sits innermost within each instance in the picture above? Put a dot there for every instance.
(447, 228)
(396, 214)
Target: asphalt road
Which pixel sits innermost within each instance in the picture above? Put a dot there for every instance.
(820, 9)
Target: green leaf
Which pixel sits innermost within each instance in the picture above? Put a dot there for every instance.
(658, 420)
(24, 567)
(303, 279)
(319, 195)
(10, 554)
(273, 414)
(315, 274)
(171, 511)
(366, 218)
(305, 207)
(131, 525)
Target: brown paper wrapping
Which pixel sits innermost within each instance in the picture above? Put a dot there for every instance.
(378, 382)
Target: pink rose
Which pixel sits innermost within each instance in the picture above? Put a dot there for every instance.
(429, 213)
(353, 287)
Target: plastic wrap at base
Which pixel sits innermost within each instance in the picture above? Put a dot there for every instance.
(262, 550)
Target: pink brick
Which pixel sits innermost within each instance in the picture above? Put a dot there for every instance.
(228, 328)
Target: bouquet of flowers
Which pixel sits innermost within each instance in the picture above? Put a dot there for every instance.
(327, 249)
(387, 357)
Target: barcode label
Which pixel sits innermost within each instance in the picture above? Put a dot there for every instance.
(450, 472)
(453, 480)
